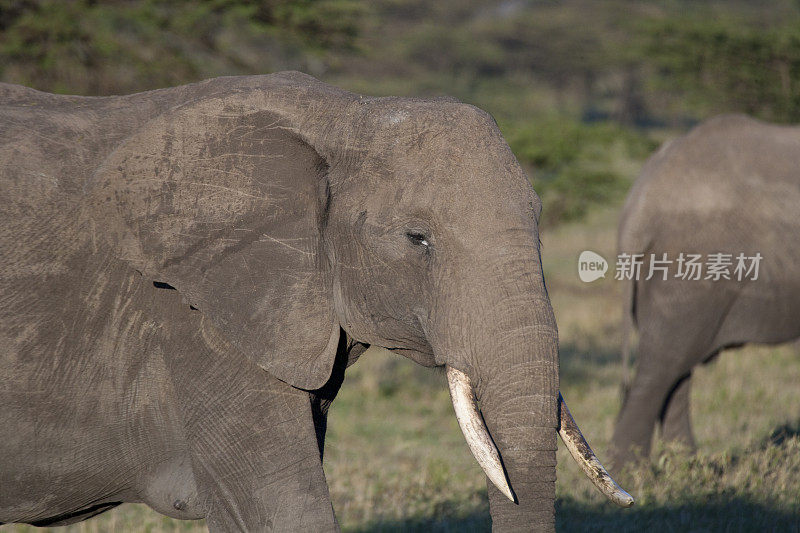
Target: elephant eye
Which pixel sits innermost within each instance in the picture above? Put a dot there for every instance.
(417, 238)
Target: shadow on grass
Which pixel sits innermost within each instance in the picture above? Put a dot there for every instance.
(721, 513)
(579, 365)
(731, 514)
(783, 433)
(475, 522)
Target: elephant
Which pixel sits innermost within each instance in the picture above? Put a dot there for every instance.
(188, 272)
(730, 186)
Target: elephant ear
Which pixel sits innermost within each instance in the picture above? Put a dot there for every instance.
(223, 200)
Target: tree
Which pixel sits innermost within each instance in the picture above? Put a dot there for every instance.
(92, 47)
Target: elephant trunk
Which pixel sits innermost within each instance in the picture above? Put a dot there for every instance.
(520, 409)
(507, 401)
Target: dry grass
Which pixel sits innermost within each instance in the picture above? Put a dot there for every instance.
(396, 461)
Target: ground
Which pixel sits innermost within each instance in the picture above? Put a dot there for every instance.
(396, 460)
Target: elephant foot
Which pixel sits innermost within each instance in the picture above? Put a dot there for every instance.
(679, 437)
(675, 419)
(625, 458)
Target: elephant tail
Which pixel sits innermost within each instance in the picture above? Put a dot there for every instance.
(628, 323)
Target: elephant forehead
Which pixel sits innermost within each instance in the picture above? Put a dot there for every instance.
(444, 183)
(383, 123)
(490, 177)
(433, 154)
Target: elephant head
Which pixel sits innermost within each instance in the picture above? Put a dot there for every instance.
(290, 213)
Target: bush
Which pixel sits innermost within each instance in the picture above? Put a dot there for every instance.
(90, 47)
(576, 165)
(726, 65)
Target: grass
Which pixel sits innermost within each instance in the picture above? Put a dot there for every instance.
(396, 461)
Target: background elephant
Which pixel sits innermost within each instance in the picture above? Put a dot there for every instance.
(187, 273)
(732, 185)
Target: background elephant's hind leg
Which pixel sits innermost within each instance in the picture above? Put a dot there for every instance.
(664, 360)
(637, 419)
(675, 419)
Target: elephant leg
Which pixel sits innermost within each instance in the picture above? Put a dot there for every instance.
(253, 447)
(677, 327)
(661, 366)
(675, 419)
(634, 429)
(261, 466)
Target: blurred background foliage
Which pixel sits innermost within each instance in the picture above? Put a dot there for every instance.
(582, 89)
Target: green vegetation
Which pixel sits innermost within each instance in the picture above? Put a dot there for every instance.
(729, 64)
(577, 164)
(89, 47)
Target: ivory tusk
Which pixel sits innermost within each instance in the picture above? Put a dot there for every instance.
(477, 436)
(485, 452)
(584, 456)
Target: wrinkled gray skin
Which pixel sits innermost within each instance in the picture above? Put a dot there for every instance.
(187, 272)
(731, 185)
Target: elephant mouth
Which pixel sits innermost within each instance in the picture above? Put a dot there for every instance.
(488, 457)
